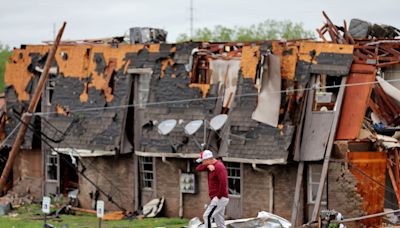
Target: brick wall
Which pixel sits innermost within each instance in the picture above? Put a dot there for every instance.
(28, 173)
(106, 170)
(342, 193)
(255, 195)
(256, 190)
(167, 174)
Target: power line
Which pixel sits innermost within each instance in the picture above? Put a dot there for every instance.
(11, 133)
(43, 136)
(80, 157)
(212, 98)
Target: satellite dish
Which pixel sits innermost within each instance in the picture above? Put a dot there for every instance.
(193, 126)
(218, 121)
(166, 126)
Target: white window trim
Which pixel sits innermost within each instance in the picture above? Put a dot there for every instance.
(48, 164)
(310, 183)
(142, 172)
(235, 177)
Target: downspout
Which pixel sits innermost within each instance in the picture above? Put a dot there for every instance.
(180, 198)
(270, 185)
(271, 193)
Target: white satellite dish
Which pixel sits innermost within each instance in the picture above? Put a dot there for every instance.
(218, 121)
(193, 126)
(166, 126)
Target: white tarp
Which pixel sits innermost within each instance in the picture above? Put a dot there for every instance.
(269, 98)
(225, 72)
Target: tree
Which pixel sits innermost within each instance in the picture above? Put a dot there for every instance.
(267, 30)
(5, 53)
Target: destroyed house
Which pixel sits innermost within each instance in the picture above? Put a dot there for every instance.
(102, 107)
(125, 122)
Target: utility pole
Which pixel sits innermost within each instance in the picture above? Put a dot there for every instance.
(27, 116)
(191, 19)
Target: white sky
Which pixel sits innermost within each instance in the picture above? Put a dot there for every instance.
(31, 21)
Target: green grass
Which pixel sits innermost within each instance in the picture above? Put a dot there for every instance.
(28, 215)
(4, 54)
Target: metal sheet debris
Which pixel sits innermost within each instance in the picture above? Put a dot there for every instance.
(269, 99)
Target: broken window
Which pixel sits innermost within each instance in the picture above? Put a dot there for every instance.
(50, 84)
(146, 172)
(234, 178)
(327, 89)
(314, 175)
(200, 71)
(52, 167)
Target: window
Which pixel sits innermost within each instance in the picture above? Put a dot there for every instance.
(146, 172)
(50, 84)
(52, 166)
(234, 176)
(200, 71)
(325, 98)
(314, 175)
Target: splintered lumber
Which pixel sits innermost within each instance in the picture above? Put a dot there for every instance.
(112, 216)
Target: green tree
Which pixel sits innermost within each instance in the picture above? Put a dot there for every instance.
(267, 30)
(5, 53)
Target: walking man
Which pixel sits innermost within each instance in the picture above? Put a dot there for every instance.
(217, 188)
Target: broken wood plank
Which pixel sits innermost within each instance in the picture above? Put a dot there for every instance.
(328, 152)
(296, 201)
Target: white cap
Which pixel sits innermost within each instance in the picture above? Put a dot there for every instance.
(206, 154)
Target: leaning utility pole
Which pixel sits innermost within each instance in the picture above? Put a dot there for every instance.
(27, 116)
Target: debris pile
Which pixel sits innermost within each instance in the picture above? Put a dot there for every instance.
(17, 199)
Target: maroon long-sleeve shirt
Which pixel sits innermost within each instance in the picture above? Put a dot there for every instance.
(217, 180)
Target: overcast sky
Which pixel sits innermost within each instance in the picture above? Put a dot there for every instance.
(31, 21)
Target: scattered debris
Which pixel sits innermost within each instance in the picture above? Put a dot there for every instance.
(263, 220)
(111, 216)
(16, 199)
(153, 207)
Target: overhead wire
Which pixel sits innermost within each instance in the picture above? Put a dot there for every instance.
(44, 138)
(210, 98)
(9, 135)
(78, 154)
(194, 100)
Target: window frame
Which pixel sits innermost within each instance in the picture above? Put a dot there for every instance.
(144, 180)
(311, 183)
(49, 157)
(228, 166)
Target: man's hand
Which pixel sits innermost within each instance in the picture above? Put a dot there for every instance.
(211, 167)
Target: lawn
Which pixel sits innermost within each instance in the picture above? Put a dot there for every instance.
(30, 217)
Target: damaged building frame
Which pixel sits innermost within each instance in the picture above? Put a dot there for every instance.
(295, 135)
